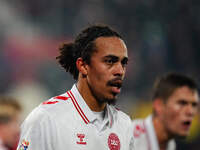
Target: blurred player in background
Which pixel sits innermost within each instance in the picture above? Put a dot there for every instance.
(10, 111)
(84, 117)
(175, 103)
(194, 143)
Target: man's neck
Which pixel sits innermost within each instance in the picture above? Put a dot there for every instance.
(90, 100)
(161, 133)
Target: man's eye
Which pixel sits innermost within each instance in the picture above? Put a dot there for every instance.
(194, 104)
(124, 63)
(110, 61)
(182, 102)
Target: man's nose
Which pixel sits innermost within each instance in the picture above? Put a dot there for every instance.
(119, 70)
(190, 110)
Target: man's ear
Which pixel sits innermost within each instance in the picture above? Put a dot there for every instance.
(158, 106)
(81, 66)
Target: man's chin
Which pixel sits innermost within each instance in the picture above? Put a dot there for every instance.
(182, 136)
(110, 100)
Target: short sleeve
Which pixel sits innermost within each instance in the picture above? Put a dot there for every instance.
(38, 132)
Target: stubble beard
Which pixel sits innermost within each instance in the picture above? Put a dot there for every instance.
(102, 99)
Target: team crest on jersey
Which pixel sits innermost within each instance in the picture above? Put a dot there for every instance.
(24, 145)
(113, 142)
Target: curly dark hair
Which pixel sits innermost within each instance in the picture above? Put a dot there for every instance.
(83, 47)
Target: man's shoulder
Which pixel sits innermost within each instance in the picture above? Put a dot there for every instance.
(121, 116)
(138, 126)
(56, 103)
(143, 122)
(138, 121)
(51, 108)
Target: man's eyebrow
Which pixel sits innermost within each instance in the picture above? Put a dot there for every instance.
(111, 56)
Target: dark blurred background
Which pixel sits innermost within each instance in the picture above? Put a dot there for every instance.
(161, 36)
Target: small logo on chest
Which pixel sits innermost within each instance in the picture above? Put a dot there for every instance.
(81, 139)
(113, 142)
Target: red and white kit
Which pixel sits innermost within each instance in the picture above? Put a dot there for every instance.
(66, 122)
(145, 136)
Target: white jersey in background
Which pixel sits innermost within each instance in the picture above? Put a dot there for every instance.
(66, 122)
(2, 147)
(145, 136)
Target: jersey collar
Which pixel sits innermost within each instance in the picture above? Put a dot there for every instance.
(84, 111)
(153, 141)
(148, 122)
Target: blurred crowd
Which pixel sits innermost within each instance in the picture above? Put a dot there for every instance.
(161, 36)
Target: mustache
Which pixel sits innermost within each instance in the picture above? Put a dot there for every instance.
(115, 82)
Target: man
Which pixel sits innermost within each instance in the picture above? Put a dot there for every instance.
(84, 117)
(10, 111)
(175, 101)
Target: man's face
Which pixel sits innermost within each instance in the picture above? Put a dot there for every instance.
(107, 68)
(11, 131)
(179, 111)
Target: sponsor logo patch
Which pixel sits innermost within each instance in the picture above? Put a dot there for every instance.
(81, 139)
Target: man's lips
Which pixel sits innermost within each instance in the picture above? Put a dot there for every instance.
(115, 82)
(186, 124)
(116, 90)
(116, 85)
